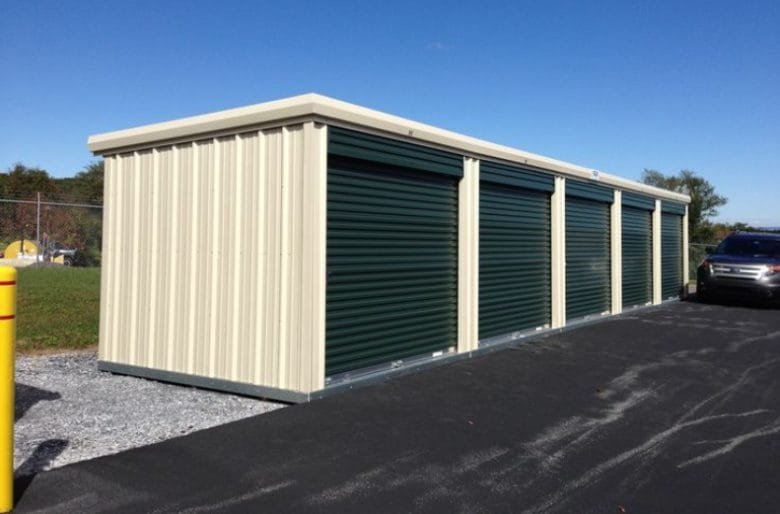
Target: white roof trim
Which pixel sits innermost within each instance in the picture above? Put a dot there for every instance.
(317, 106)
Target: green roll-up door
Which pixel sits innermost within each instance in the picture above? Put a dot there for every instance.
(671, 255)
(637, 244)
(514, 250)
(588, 274)
(391, 252)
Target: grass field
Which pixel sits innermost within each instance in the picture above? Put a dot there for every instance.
(57, 309)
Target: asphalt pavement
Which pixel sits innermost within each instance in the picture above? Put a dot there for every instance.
(668, 409)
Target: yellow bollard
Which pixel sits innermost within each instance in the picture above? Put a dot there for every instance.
(7, 345)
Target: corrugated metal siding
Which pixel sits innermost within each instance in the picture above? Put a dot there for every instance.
(588, 289)
(212, 255)
(107, 252)
(671, 255)
(637, 248)
(514, 259)
(392, 264)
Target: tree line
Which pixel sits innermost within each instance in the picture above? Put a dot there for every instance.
(704, 205)
(73, 227)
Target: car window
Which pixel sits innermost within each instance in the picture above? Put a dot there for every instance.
(746, 246)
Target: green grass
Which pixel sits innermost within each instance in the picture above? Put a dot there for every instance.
(57, 309)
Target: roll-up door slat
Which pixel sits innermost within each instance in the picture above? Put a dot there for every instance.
(392, 253)
(671, 255)
(383, 151)
(672, 208)
(638, 201)
(514, 259)
(587, 257)
(637, 256)
(588, 191)
(496, 173)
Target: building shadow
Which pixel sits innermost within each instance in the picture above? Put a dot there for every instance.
(26, 396)
(44, 454)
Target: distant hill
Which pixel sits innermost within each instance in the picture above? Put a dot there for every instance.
(769, 229)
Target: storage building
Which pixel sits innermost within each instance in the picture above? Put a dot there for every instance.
(298, 247)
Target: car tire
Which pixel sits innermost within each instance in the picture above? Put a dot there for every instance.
(67, 261)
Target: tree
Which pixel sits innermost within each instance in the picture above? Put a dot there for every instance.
(85, 187)
(17, 221)
(704, 200)
(22, 183)
(721, 230)
(91, 179)
(89, 222)
(74, 227)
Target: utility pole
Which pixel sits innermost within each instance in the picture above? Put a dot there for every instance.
(38, 223)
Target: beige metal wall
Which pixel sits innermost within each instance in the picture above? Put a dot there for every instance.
(214, 258)
(558, 253)
(657, 260)
(616, 251)
(468, 257)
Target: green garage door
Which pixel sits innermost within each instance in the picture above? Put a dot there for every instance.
(588, 274)
(671, 249)
(637, 247)
(514, 249)
(392, 251)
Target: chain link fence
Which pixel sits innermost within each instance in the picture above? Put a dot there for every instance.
(41, 230)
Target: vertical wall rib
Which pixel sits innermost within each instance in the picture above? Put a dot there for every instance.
(106, 279)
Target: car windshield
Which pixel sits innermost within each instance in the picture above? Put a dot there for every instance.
(749, 246)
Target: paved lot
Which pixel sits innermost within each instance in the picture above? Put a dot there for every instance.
(674, 409)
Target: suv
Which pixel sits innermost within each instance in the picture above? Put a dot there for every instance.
(744, 264)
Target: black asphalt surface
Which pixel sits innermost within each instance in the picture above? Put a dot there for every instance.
(671, 409)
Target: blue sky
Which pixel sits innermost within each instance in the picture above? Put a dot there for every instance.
(616, 86)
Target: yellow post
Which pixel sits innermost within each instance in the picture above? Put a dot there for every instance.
(7, 344)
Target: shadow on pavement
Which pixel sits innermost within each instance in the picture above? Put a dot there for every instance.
(46, 452)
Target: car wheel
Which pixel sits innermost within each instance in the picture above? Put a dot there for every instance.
(67, 261)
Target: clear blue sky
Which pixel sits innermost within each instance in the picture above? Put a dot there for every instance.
(618, 86)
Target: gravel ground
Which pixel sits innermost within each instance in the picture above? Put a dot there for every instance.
(67, 411)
